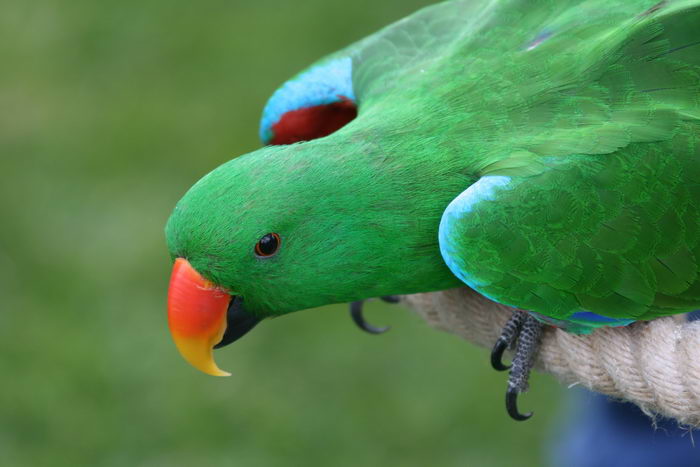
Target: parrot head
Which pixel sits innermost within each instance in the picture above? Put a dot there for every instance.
(338, 207)
(288, 228)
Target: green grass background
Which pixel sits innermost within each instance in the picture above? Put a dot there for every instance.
(109, 111)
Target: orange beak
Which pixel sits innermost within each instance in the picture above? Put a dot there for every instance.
(196, 316)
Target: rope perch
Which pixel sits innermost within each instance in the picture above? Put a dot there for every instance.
(652, 364)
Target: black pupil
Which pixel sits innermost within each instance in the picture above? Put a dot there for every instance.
(268, 244)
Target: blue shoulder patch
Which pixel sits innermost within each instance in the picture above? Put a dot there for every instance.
(323, 84)
(484, 189)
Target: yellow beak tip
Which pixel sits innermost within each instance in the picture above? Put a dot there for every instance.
(198, 353)
(208, 366)
(218, 372)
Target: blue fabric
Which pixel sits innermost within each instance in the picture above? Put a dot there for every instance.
(606, 433)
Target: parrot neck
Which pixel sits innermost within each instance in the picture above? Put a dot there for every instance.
(386, 200)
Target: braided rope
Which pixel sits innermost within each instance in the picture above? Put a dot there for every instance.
(652, 364)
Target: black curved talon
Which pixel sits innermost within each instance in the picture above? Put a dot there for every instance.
(512, 406)
(497, 356)
(359, 319)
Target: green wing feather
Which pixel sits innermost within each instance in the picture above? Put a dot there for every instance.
(413, 46)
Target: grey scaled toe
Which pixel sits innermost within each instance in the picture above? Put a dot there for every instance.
(522, 332)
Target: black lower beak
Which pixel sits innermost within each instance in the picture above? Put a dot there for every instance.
(238, 322)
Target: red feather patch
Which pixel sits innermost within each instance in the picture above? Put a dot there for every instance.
(313, 122)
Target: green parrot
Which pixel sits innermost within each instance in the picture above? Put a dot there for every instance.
(545, 153)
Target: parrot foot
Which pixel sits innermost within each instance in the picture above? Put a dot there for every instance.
(526, 332)
(359, 319)
(506, 340)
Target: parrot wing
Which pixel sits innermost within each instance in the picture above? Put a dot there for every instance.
(595, 218)
(616, 236)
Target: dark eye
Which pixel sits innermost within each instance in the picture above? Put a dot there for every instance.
(267, 245)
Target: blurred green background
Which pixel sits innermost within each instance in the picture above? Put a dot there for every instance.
(110, 111)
